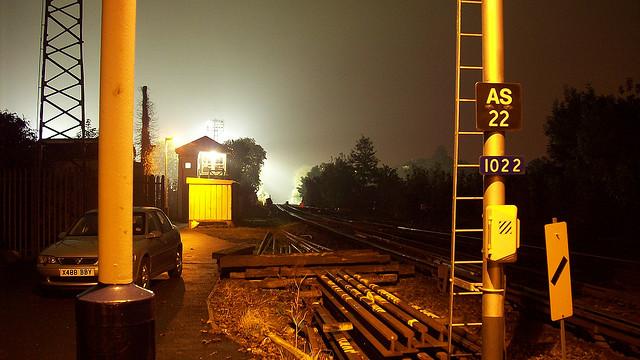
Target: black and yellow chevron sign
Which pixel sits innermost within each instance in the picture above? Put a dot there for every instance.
(505, 227)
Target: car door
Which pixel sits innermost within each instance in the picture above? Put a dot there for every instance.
(157, 247)
(167, 243)
(173, 236)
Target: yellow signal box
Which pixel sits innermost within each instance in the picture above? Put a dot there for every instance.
(503, 228)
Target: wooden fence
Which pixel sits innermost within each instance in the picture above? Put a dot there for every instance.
(37, 204)
(148, 190)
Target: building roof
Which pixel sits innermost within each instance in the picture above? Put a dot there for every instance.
(64, 150)
(205, 143)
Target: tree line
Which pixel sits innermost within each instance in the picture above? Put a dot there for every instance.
(360, 184)
(589, 177)
(244, 164)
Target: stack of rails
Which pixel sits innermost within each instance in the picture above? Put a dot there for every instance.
(289, 244)
(362, 320)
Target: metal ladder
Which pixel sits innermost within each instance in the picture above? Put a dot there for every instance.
(455, 283)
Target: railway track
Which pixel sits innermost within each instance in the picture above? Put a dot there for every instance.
(428, 256)
(357, 316)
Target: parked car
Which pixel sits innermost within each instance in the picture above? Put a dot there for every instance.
(73, 261)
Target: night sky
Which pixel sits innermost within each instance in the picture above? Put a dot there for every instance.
(307, 78)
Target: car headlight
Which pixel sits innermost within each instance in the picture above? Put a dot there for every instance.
(47, 259)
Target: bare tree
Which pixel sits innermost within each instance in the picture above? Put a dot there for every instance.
(147, 132)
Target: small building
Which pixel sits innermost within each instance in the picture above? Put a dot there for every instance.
(202, 167)
(210, 200)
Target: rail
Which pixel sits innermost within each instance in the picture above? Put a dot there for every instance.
(615, 328)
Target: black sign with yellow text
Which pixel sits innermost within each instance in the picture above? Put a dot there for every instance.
(501, 165)
(498, 106)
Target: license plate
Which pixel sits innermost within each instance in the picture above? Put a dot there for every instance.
(77, 272)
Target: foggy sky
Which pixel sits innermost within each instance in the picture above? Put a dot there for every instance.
(307, 78)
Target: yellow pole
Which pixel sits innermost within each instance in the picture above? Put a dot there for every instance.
(492, 272)
(166, 175)
(563, 342)
(115, 319)
(115, 171)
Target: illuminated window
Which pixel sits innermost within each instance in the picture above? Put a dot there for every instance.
(187, 165)
(212, 163)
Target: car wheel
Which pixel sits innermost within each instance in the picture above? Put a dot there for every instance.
(176, 272)
(144, 274)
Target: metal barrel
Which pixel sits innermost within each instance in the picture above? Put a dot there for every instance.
(115, 322)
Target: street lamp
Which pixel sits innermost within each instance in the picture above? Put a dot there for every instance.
(166, 175)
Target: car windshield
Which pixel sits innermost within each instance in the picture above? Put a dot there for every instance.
(87, 225)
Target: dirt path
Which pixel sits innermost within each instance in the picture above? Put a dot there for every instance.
(179, 332)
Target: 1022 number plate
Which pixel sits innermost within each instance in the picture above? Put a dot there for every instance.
(501, 165)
